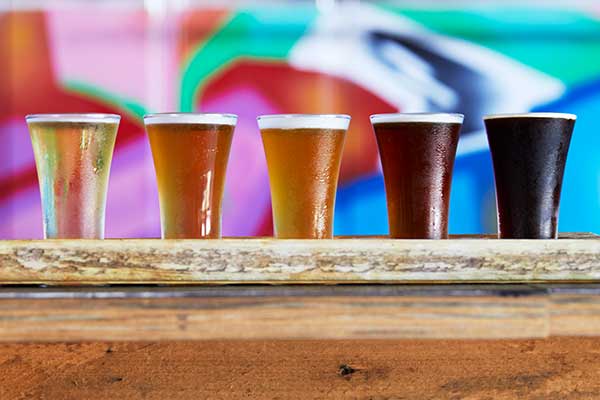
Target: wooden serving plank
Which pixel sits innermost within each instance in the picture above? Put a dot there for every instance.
(299, 312)
(575, 257)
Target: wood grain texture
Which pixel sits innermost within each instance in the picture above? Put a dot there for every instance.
(300, 312)
(54, 262)
(550, 369)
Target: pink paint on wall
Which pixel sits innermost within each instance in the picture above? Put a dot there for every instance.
(247, 181)
(100, 47)
(16, 153)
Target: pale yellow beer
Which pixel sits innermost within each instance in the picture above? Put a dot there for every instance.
(303, 155)
(73, 154)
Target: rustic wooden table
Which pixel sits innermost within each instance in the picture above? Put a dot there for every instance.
(301, 342)
(534, 336)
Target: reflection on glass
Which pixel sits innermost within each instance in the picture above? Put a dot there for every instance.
(417, 157)
(304, 153)
(529, 152)
(190, 154)
(73, 153)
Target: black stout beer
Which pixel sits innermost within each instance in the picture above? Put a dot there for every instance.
(417, 157)
(529, 152)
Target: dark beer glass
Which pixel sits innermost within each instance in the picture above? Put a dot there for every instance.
(304, 153)
(417, 157)
(529, 152)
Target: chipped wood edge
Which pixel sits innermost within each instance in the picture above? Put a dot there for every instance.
(259, 260)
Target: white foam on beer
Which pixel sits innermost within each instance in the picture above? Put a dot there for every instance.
(303, 121)
(190, 118)
(532, 115)
(90, 118)
(433, 118)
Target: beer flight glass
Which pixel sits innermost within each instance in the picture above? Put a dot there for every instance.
(190, 152)
(303, 153)
(529, 153)
(417, 154)
(73, 154)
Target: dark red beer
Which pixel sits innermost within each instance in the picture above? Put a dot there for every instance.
(417, 156)
(529, 152)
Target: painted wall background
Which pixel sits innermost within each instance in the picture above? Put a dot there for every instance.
(135, 57)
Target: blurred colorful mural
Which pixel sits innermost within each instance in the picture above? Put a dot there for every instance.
(133, 57)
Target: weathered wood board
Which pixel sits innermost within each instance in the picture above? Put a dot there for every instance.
(575, 257)
(299, 312)
(540, 369)
(355, 342)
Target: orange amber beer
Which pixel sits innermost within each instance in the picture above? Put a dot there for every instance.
(73, 153)
(190, 154)
(417, 157)
(304, 153)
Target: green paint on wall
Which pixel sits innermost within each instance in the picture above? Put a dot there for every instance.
(265, 33)
(136, 110)
(564, 43)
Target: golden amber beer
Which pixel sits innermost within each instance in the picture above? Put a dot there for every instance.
(417, 157)
(190, 154)
(73, 153)
(304, 153)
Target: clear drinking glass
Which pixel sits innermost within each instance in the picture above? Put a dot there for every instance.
(191, 152)
(73, 153)
(529, 153)
(417, 154)
(304, 153)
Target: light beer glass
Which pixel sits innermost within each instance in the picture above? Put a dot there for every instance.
(417, 154)
(529, 153)
(73, 153)
(303, 153)
(190, 152)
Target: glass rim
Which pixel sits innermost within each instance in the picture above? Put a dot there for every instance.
(553, 115)
(190, 118)
(304, 121)
(427, 117)
(269, 116)
(74, 117)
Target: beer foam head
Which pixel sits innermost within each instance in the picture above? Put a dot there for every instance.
(304, 121)
(190, 118)
(432, 118)
(532, 115)
(91, 118)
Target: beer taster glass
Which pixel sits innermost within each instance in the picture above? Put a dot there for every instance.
(73, 153)
(190, 152)
(304, 153)
(417, 154)
(529, 153)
